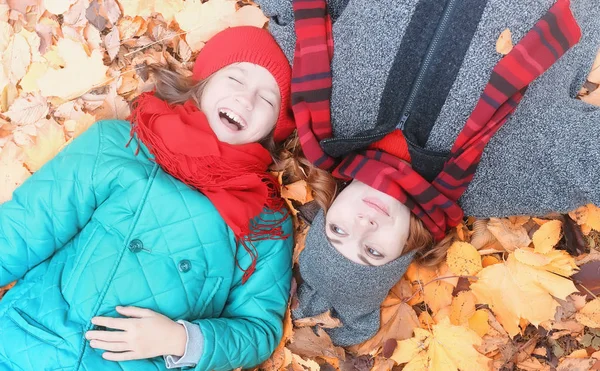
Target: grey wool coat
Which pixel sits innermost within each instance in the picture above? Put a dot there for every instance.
(421, 65)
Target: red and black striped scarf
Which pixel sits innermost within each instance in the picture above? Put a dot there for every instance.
(434, 203)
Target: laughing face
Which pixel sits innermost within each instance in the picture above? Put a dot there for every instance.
(241, 102)
(367, 226)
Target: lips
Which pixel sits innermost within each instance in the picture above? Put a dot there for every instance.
(376, 205)
(232, 120)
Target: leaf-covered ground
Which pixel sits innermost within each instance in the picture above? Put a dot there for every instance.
(513, 294)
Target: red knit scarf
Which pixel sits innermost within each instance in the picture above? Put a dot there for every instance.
(233, 177)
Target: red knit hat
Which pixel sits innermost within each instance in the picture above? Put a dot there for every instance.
(254, 45)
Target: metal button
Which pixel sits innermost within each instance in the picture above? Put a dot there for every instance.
(136, 246)
(184, 265)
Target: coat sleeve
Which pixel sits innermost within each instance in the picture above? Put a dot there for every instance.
(281, 24)
(49, 208)
(250, 326)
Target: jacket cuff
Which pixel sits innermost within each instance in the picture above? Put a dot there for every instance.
(193, 348)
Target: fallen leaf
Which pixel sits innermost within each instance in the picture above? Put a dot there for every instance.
(593, 217)
(77, 127)
(307, 343)
(202, 21)
(300, 364)
(592, 98)
(16, 58)
(112, 43)
(463, 259)
(29, 81)
(113, 12)
(49, 141)
(479, 322)
(580, 215)
(76, 15)
(167, 8)
(589, 315)
(6, 33)
(462, 308)
(482, 237)
(398, 320)
(28, 110)
(488, 260)
(576, 364)
(504, 43)
(131, 27)
(298, 191)
(514, 290)
(511, 236)
(248, 16)
(547, 236)
(12, 169)
(95, 16)
(324, 320)
(446, 348)
(58, 6)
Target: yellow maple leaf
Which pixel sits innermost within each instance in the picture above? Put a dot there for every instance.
(49, 141)
(445, 348)
(145, 8)
(504, 43)
(462, 308)
(58, 6)
(80, 74)
(516, 291)
(555, 261)
(202, 21)
(463, 259)
(547, 236)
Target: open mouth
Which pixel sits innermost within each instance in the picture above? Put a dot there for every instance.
(232, 120)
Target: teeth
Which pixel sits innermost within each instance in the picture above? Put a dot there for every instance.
(232, 116)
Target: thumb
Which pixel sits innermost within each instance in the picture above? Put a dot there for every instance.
(135, 312)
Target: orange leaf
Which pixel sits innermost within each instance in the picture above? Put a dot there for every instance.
(324, 320)
(504, 43)
(547, 236)
(479, 322)
(462, 307)
(398, 320)
(298, 191)
(489, 260)
(580, 215)
(593, 217)
(307, 343)
(438, 295)
(463, 259)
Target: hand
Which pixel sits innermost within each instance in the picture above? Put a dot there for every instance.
(148, 334)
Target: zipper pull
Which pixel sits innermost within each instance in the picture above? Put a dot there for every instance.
(403, 120)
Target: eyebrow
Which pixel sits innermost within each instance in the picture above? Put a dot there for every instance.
(332, 240)
(364, 259)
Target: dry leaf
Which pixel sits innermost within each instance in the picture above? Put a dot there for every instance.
(592, 98)
(398, 320)
(547, 236)
(511, 236)
(446, 348)
(16, 58)
(131, 27)
(300, 364)
(12, 170)
(202, 21)
(28, 110)
(307, 343)
(514, 290)
(576, 364)
(79, 75)
(482, 237)
(48, 143)
(593, 215)
(324, 320)
(580, 215)
(589, 315)
(58, 6)
(112, 43)
(248, 16)
(145, 8)
(489, 260)
(504, 43)
(463, 259)
(479, 322)
(462, 308)
(556, 261)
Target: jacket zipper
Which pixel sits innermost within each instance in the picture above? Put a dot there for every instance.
(406, 111)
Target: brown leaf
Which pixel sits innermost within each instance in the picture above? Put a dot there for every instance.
(307, 343)
(576, 364)
(28, 110)
(324, 320)
(511, 236)
(96, 15)
(398, 320)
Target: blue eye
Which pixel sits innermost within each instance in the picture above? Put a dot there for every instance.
(374, 253)
(337, 230)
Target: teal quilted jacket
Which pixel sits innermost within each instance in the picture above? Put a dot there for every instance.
(98, 227)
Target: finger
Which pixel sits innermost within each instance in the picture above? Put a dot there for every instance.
(114, 323)
(114, 336)
(135, 312)
(125, 356)
(106, 345)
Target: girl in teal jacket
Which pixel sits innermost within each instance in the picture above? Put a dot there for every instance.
(174, 245)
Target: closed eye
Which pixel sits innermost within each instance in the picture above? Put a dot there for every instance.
(234, 79)
(268, 101)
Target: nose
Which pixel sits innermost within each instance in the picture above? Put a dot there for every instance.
(245, 99)
(365, 222)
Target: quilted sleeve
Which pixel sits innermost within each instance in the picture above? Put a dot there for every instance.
(251, 326)
(49, 208)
